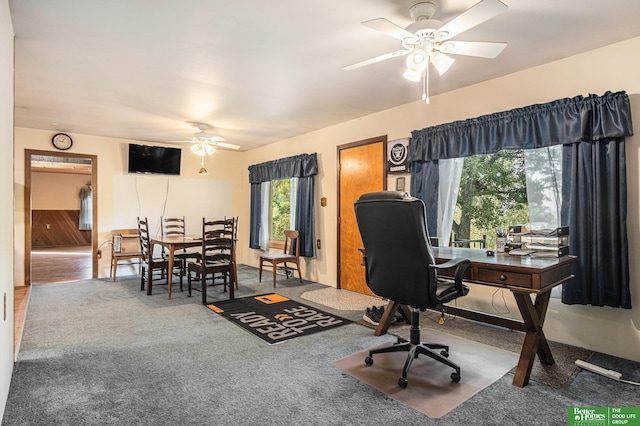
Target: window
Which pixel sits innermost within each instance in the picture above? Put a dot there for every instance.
(492, 196)
(508, 188)
(282, 207)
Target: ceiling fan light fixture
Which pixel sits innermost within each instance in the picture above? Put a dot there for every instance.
(418, 59)
(413, 75)
(209, 149)
(197, 149)
(441, 62)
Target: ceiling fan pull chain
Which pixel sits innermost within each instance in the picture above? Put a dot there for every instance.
(425, 84)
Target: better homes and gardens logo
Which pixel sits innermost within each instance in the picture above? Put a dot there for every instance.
(603, 416)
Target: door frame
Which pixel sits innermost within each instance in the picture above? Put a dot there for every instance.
(384, 139)
(28, 153)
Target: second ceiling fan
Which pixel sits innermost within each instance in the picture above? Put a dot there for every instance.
(428, 41)
(205, 143)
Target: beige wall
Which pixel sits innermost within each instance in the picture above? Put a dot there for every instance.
(112, 161)
(613, 68)
(57, 191)
(6, 201)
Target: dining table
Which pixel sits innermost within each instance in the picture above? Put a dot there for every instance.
(173, 243)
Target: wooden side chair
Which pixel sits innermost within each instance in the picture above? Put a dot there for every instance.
(217, 257)
(176, 226)
(289, 256)
(151, 264)
(125, 245)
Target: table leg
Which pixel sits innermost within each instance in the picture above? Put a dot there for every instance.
(535, 342)
(170, 269)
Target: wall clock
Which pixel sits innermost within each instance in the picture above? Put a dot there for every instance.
(62, 141)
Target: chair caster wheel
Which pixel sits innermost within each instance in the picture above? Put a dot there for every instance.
(445, 354)
(455, 377)
(402, 382)
(368, 360)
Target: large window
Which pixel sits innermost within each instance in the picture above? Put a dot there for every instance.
(492, 196)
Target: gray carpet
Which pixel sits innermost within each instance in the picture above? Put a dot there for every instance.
(97, 352)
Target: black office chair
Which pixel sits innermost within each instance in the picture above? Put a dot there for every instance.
(399, 265)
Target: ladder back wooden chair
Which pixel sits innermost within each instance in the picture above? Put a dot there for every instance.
(217, 257)
(176, 226)
(151, 264)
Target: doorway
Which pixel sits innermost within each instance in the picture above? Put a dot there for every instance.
(67, 237)
(361, 169)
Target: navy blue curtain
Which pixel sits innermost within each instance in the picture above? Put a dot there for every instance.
(305, 168)
(593, 129)
(255, 214)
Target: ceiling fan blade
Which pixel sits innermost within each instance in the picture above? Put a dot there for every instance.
(480, 49)
(225, 145)
(215, 139)
(376, 59)
(387, 27)
(477, 14)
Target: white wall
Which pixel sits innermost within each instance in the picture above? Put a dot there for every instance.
(6, 201)
(613, 68)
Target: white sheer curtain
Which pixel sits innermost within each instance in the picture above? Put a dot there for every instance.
(543, 170)
(265, 201)
(86, 208)
(449, 173)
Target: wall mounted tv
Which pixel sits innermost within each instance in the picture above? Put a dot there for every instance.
(154, 159)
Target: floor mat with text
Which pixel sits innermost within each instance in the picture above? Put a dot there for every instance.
(275, 318)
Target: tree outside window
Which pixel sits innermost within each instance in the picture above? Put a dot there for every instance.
(280, 208)
(492, 196)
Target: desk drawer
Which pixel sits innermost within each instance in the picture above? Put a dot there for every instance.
(506, 278)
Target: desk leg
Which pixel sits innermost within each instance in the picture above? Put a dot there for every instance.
(535, 342)
(387, 317)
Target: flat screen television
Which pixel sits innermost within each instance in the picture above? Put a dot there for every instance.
(154, 159)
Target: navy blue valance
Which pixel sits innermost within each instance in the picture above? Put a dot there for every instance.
(564, 121)
(303, 165)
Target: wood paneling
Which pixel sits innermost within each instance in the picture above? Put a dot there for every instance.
(57, 228)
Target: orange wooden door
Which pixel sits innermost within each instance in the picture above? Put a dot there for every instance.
(361, 169)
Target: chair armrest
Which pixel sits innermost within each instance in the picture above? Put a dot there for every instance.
(461, 266)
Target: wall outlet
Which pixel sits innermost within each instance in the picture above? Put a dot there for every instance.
(318, 245)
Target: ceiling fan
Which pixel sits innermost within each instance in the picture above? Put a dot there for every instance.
(428, 40)
(205, 143)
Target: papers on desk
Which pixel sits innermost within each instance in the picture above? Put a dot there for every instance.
(520, 252)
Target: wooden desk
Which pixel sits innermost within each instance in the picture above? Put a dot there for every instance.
(173, 242)
(524, 277)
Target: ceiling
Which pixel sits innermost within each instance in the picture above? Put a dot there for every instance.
(258, 71)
